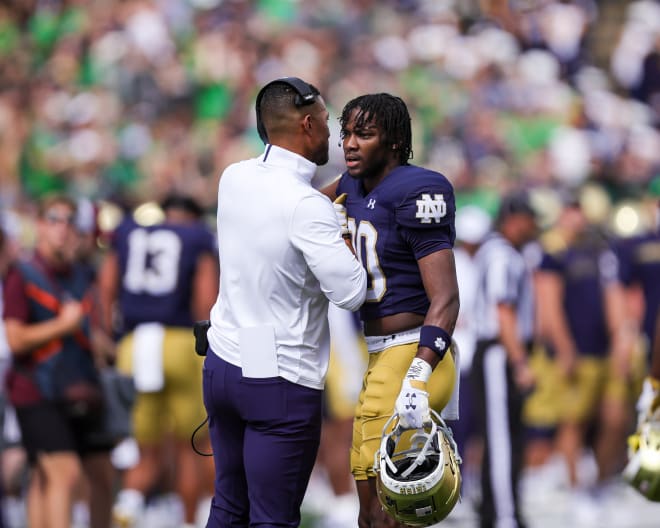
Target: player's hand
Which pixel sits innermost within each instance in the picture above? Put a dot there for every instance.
(523, 377)
(412, 406)
(567, 363)
(340, 211)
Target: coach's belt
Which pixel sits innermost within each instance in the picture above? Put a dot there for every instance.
(379, 343)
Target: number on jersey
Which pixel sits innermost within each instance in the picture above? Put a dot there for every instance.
(153, 262)
(365, 248)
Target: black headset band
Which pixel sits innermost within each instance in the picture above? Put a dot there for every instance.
(305, 95)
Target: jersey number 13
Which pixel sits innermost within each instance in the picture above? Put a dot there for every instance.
(153, 262)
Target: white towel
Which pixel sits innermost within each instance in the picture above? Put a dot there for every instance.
(148, 357)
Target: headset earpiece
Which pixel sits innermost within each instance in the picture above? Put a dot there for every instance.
(305, 95)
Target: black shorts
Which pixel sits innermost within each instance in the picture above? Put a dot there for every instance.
(46, 428)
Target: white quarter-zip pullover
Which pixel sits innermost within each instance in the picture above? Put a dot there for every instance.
(282, 259)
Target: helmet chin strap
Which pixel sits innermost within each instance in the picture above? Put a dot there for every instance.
(396, 436)
(391, 465)
(449, 435)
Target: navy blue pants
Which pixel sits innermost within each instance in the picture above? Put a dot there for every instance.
(265, 435)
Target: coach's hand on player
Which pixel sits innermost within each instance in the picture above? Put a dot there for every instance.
(340, 211)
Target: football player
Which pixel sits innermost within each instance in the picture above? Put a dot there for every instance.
(401, 220)
(642, 470)
(639, 269)
(581, 302)
(162, 278)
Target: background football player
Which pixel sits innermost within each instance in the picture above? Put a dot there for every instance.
(581, 304)
(639, 269)
(642, 470)
(331, 491)
(162, 278)
(401, 218)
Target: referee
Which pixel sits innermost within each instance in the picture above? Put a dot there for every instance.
(501, 373)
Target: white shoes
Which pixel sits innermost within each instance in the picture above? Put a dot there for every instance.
(128, 509)
(586, 509)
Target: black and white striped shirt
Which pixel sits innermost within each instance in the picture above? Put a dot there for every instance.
(503, 276)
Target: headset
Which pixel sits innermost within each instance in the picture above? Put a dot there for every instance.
(305, 95)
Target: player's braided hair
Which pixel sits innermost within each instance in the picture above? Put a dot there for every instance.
(387, 112)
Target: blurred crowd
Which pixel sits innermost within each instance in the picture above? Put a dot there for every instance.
(125, 100)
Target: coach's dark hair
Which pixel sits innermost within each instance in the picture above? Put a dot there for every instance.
(389, 113)
(278, 98)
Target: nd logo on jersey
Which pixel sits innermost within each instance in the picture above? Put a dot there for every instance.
(431, 208)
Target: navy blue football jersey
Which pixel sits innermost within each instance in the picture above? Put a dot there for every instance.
(157, 264)
(410, 214)
(585, 271)
(640, 264)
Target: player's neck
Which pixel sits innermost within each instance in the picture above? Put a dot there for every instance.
(371, 181)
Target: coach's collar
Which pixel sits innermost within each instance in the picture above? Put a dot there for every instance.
(274, 155)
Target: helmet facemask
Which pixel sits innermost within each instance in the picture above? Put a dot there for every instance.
(418, 475)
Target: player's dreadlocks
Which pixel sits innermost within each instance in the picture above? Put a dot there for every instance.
(389, 113)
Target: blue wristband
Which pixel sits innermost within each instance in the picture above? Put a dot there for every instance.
(435, 338)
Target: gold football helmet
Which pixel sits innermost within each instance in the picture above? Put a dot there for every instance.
(419, 484)
(643, 469)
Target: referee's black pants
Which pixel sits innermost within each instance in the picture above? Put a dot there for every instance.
(498, 409)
